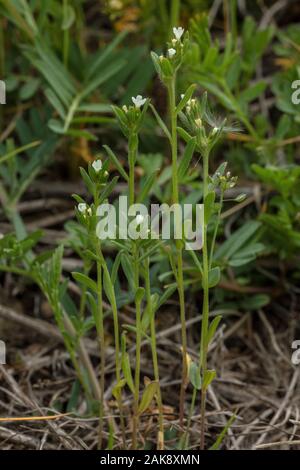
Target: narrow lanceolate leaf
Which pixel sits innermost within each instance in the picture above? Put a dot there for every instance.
(219, 440)
(116, 391)
(140, 292)
(186, 159)
(147, 397)
(87, 180)
(209, 376)
(108, 189)
(214, 276)
(156, 63)
(114, 160)
(147, 187)
(108, 287)
(160, 122)
(127, 371)
(213, 327)
(14, 152)
(187, 96)
(85, 280)
(194, 376)
(184, 134)
(209, 206)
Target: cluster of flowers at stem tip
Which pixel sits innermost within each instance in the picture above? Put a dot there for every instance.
(167, 65)
(95, 179)
(130, 118)
(200, 123)
(224, 181)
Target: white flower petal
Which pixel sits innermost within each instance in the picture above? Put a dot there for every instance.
(97, 165)
(178, 32)
(171, 52)
(82, 207)
(138, 101)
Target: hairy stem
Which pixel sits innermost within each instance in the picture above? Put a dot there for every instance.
(180, 285)
(138, 327)
(205, 306)
(160, 443)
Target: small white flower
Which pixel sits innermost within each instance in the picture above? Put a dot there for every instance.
(139, 219)
(171, 52)
(138, 101)
(178, 32)
(182, 96)
(82, 207)
(125, 109)
(97, 165)
(1, 236)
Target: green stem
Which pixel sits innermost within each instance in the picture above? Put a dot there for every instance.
(132, 155)
(66, 41)
(205, 306)
(100, 327)
(117, 348)
(86, 270)
(154, 355)
(138, 326)
(180, 284)
(101, 339)
(212, 248)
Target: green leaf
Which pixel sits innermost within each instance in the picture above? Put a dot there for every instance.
(147, 397)
(146, 187)
(68, 17)
(256, 301)
(22, 149)
(237, 240)
(114, 159)
(186, 159)
(116, 391)
(195, 376)
(29, 88)
(108, 72)
(85, 280)
(247, 254)
(222, 434)
(213, 327)
(165, 296)
(87, 180)
(108, 287)
(209, 376)
(214, 276)
(127, 371)
(108, 189)
(156, 63)
(161, 122)
(184, 134)
(139, 295)
(187, 96)
(209, 204)
(253, 92)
